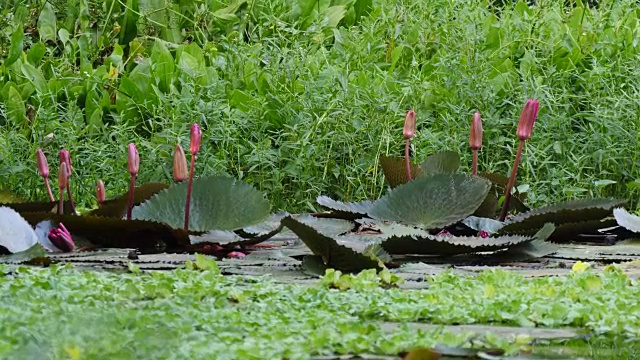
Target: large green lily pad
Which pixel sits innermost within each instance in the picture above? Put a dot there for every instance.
(217, 203)
(433, 201)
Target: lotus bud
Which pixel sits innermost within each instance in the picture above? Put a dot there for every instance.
(61, 238)
(180, 172)
(475, 135)
(43, 165)
(43, 169)
(236, 255)
(63, 181)
(409, 130)
(196, 136)
(527, 119)
(133, 159)
(484, 234)
(101, 194)
(66, 158)
(63, 176)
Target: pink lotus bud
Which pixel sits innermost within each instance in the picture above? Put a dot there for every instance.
(196, 135)
(475, 135)
(61, 238)
(66, 158)
(133, 160)
(101, 194)
(484, 234)
(527, 119)
(63, 176)
(444, 233)
(180, 172)
(43, 165)
(409, 130)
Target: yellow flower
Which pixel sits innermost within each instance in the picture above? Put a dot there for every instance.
(580, 266)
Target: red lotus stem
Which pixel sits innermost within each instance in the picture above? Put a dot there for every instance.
(194, 147)
(133, 162)
(409, 132)
(475, 140)
(66, 158)
(63, 180)
(525, 127)
(43, 169)
(407, 160)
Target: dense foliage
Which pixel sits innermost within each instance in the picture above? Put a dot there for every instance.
(300, 98)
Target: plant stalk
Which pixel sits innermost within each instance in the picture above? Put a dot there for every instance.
(407, 159)
(474, 166)
(49, 192)
(61, 203)
(132, 187)
(73, 208)
(189, 186)
(511, 183)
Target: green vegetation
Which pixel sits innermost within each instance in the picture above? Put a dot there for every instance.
(196, 312)
(300, 98)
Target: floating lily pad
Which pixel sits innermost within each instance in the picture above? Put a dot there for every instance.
(627, 220)
(432, 201)
(345, 210)
(573, 211)
(537, 248)
(568, 232)
(489, 206)
(35, 255)
(117, 233)
(39, 206)
(482, 223)
(117, 207)
(16, 234)
(444, 162)
(248, 236)
(337, 254)
(395, 170)
(217, 203)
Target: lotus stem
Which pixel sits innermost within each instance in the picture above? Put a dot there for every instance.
(511, 183)
(194, 147)
(66, 158)
(63, 179)
(474, 165)
(133, 161)
(407, 160)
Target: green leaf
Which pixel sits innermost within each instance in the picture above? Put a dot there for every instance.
(117, 207)
(627, 220)
(206, 263)
(572, 211)
(395, 170)
(15, 107)
(248, 236)
(35, 77)
(362, 8)
(441, 163)
(163, 65)
(36, 53)
(15, 51)
(129, 28)
(47, 23)
(334, 14)
(341, 255)
(242, 100)
(217, 203)
(534, 249)
(432, 201)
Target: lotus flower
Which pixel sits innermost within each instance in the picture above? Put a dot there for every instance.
(133, 163)
(409, 132)
(475, 140)
(43, 169)
(194, 147)
(61, 238)
(525, 127)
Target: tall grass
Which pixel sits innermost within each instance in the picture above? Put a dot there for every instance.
(324, 103)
